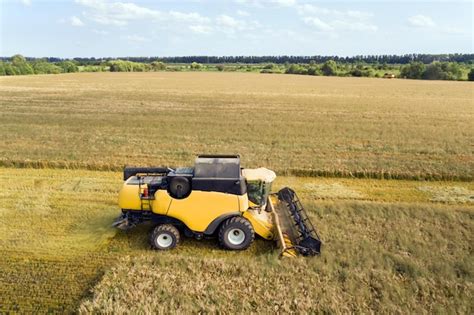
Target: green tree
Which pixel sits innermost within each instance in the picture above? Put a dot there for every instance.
(196, 66)
(10, 69)
(362, 71)
(22, 66)
(329, 68)
(44, 67)
(414, 70)
(220, 67)
(158, 66)
(435, 71)
(296, 69)
(2, 68)
(18, 59)
(452, 69)
(313, 69)
(68, 66)
(470, 75)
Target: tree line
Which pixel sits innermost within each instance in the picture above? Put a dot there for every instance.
(415, 69)
(18, 65)
(370, 59)
(436, 70)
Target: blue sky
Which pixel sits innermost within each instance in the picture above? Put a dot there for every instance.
(99, 28)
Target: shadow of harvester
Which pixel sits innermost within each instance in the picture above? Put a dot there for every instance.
(136, 241)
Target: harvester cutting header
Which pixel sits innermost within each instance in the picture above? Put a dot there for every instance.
(216, 197)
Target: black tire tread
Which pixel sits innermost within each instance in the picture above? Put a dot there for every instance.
(164, 228)
(232, 221)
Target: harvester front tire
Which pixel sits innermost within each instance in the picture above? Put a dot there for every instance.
(236, 233)
(164, 237)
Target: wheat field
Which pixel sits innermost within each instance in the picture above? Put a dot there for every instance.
(297, 125)
(384, 168)
(389, 245)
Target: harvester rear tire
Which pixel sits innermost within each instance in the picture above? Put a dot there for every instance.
(236, 233)
(164, 237)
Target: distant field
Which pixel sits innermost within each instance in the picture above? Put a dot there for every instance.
(299, 125)
(389, 246)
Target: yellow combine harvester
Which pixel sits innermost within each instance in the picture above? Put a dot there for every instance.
(215, 198)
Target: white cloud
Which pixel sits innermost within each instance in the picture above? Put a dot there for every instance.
(26, 2)
(354, 26)
(227, 21)
(286, 3)
(421, 21)
(453, 30)
(242, 13)
(100, 32)
(136, 38)
(75, 21)
(328, 20)
(318, 24)
(231, 25)
(263, 3)
(201, 29)
(116, 13)
(189, 17)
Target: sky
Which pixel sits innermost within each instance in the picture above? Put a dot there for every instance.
(100, 28)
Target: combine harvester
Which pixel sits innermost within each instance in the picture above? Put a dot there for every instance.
(215, 198)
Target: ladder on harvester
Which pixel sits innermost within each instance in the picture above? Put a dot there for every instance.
(144, 194)
(297, 233)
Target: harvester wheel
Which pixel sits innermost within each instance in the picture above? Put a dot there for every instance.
(236, 233)
(164, 236)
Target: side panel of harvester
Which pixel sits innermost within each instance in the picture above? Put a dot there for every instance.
(197, 211)
(200, 208)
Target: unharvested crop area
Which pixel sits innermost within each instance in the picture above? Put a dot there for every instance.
(294, 124)
(390, 246)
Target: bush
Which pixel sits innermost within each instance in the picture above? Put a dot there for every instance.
(68, 66)
(361, 71)
(158, 66)
(43, 67)
(296, 69)
(2, 68)
(329, 68)
(22, 66)
(434, 72)
(442, 71)
(195, 66)
(414, 70)
(313, 70)
(91, 68)
(126, 66)
(10, 70)
(452, 69)
(470, 75)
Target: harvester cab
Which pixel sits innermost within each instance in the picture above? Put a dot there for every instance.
(215, 198)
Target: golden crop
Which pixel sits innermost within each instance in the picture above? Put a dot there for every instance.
(300, 125)
(380, 254)
(390, 246)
